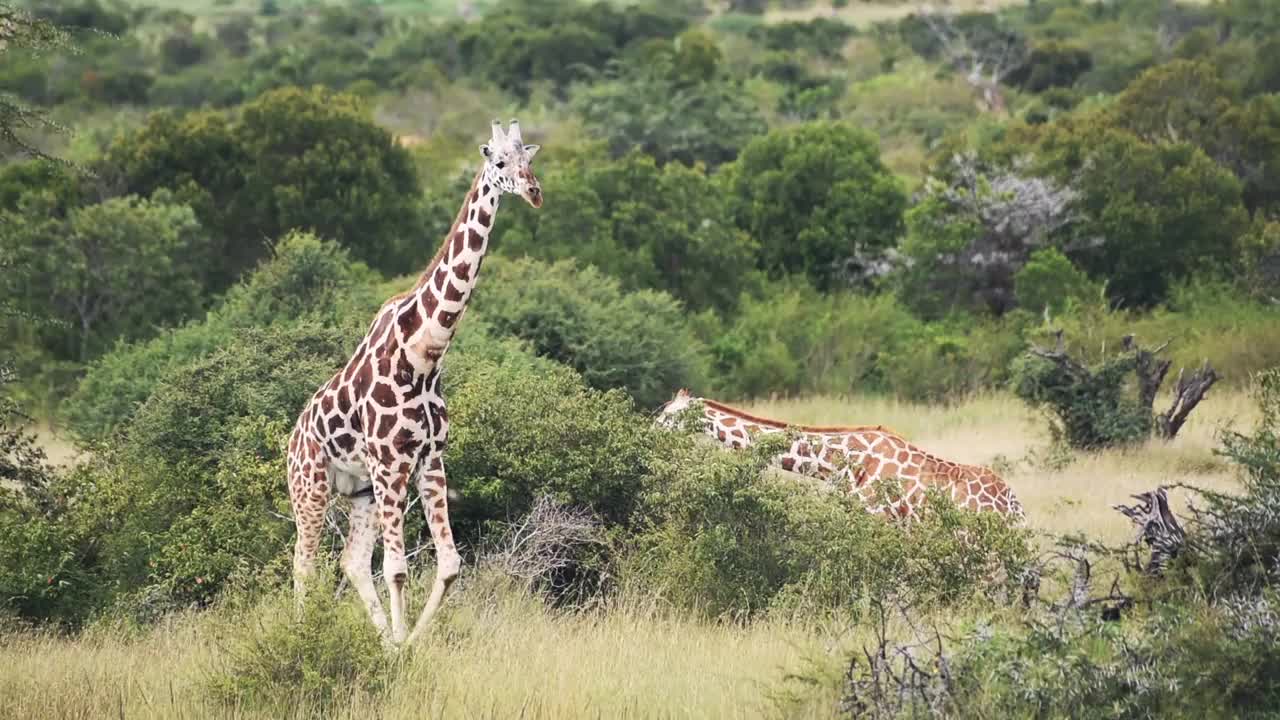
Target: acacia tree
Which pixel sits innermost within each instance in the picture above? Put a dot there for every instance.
(22, 30)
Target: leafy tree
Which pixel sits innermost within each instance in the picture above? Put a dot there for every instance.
(22, 30)
(112, 270)
(309, 159)
(665, 228)
(1163, 213)
(1050, 280)
(1052, 64)
(822, 36)
(1246, 139)
(1177, 101)
(306, 278)
(818, 199)
(668, 104)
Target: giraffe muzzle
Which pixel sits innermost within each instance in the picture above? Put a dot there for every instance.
(534, 196)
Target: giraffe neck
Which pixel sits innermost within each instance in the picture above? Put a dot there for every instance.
(428, 315)
(732, 428)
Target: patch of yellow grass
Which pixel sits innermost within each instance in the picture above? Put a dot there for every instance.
(490, 655)
(864, 13)
(999, 430)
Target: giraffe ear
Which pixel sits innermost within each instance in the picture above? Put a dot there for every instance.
(532, 150)
(485, 151)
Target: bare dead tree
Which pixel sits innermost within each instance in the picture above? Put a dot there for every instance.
(893, 679)
(1158, 529)
(985, 59)
(1016, 213)
(547, 544)
(1073, 380)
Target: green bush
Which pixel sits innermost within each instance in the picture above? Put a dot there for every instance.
(116, 269)
(793, 340)
(1090, 411)
(1050, 281)
(519, 430)
(1052, 64)
(288, 159)
(663, 228)
(1176, 662)
(279, 660)
(724, 538)
(639, 341)
(306, 278)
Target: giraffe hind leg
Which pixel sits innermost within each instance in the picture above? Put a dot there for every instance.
(357, 556)
(309, 505)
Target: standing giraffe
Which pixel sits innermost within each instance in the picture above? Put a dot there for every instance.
(856, 458)
(381, 420)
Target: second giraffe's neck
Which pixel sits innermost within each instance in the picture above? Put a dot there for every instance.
(441, 294)
(734, 428)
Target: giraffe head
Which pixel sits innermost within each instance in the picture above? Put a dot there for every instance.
(668, 413)
(507, 161)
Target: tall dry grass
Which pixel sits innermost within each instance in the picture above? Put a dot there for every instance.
(494, 653)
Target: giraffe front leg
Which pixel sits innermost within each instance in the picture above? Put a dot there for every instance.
(357, 557)
(435, 502)
(390, 491)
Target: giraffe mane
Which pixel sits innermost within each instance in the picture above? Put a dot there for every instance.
(425, 277)
(805, 428)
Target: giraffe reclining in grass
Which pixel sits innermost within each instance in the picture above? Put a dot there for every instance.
(855, 459)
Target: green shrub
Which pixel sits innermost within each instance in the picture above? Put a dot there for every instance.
(1049, 280)
(1177, 662)
(306, 279)
(1093, 410)
(520, 430)
(725, 538)
(639, 341)
(1052, 64)
(663, 228)
(280, 660)
(1237, 538)
(793, 340)
(289, 159)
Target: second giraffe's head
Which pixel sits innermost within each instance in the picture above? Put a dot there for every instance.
(507, 161)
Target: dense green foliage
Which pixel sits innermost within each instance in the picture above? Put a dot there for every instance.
(741, 205)
(639, 341)
(724, 538)
(818, 200)
(667, 228)
(291, 158)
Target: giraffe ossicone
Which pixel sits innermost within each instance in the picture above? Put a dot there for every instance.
(380, 423)
(856, 459)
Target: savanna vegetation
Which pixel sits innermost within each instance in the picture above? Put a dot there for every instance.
(830, 212)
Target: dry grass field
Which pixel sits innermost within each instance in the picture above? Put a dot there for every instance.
(497, 654)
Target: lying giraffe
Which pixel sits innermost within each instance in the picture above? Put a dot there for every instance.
(856, 458)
